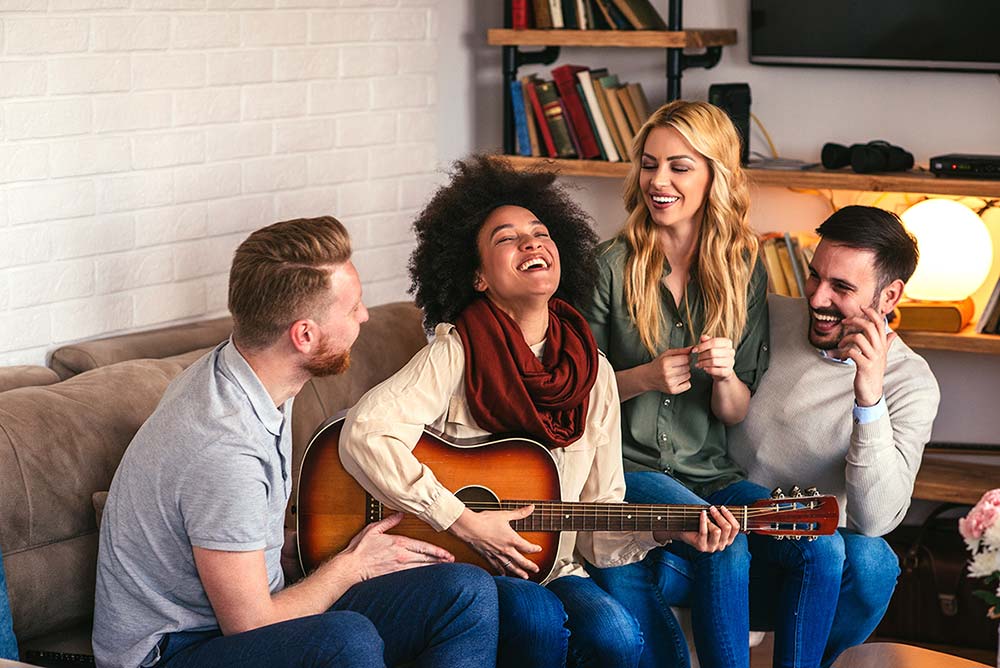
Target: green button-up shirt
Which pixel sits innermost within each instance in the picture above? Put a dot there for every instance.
(676, 434)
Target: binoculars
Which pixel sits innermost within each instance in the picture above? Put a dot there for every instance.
(875, 156)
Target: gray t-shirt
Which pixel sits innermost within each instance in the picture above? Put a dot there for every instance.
(209, 468)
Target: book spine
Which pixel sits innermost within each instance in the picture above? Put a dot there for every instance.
(573, 137)
(529, 117)
(565, 82)
(555, 10)
(785, 259)
(543, 126)
(602, 128)
(553, 114)
(797, 269)
(543, 17)
(519, 14)
(626, 101)
(520, 119)
(624, 132)
(593, 124)
(773, 264)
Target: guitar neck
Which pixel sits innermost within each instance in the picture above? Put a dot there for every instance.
(581, 516)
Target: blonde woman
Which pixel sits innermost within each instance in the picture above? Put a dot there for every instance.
(680, 310)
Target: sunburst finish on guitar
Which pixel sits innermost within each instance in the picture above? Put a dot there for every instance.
(507, 473)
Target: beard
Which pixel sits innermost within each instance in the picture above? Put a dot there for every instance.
(831, 340)
(327, 362)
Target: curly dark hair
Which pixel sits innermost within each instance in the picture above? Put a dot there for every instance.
(443, 266)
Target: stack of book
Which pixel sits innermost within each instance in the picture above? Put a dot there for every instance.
(989, 321)
(585, 15)
(580, 113)
(786, 257)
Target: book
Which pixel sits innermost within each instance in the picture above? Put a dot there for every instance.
(543, 17)
(794, 261)
(529, 117)
(565, 77)
(949, 317)
(531, 88)
(610, 84)
(570, 19)
(519, 14)
(990, 311)
(553, 114)
(590, 119)
(520, 118)
(603, 134)
(785, 260)
(613, 15)
(605, 111)
(583, 11)
(602, 19)
(640, 14)
(630, 113)
(569, 126)
(555, 10)
(639, 101)
(775, 274)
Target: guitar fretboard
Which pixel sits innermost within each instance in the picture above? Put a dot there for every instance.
(582, 516)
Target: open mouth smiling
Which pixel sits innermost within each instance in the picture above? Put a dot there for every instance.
(534, 263)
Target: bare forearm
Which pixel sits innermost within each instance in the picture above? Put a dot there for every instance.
(632, 382)
(730, 400)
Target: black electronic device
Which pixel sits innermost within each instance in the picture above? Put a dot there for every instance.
(875, 156)
(896, 34)
(734, 99)
(965, 165)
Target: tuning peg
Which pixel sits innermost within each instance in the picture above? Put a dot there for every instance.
(777, 493)
(795, 537)
(795, 491)
(779, 538)
(811, 538)
(812, 491)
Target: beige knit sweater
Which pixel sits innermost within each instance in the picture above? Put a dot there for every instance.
(800, 428)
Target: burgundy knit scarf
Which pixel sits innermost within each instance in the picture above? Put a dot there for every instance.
(511, 390)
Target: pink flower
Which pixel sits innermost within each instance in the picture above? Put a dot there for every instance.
(981, 517)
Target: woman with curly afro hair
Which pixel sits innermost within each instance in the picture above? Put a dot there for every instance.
(500, 257)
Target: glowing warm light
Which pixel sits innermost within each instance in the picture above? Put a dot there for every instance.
(955, 250)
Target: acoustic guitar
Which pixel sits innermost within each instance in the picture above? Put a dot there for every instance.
(504, 473)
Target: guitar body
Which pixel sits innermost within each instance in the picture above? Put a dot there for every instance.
(332, 507)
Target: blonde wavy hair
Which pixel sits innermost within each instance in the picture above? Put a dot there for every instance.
(727, 247)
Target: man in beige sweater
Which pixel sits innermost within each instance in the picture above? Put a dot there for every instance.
(845, 406)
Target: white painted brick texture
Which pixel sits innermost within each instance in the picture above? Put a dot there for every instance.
(142, 140)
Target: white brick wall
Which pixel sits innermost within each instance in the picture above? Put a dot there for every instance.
(142, 140)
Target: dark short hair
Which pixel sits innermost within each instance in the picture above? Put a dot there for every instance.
(443, 266)
(879, 231)
(281, 273)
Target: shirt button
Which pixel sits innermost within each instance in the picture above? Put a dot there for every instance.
(678, 324)
(663, 437)
(666, 402)
(764, 347)
(668, 471)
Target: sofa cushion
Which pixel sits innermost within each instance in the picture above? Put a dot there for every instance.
(58, 445)
(157, 344)
(12, 377)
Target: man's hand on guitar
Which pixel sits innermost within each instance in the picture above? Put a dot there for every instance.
(373, 552)
(713, 535)
(490, 534)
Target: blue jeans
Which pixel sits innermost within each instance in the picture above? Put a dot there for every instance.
(442, 615)
(805, 579)
(8, 643)
(570, 622)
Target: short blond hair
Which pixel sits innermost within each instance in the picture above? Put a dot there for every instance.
(281, 273)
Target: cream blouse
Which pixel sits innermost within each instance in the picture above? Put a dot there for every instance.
(380, 432)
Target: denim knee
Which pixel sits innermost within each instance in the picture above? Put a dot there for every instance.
(874, 569)
(340, 639)
(824, 556)
(734, 559)
(472, 588)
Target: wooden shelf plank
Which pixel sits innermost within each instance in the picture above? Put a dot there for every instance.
(820, 179)
(942, 479)
(664, 39)
(966, 341)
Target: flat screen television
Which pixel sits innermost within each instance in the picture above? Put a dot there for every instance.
(896, 34)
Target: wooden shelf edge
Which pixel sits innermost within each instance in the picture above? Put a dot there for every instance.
(664, 39)
(958, 482)
(966, 341)
(818, 179)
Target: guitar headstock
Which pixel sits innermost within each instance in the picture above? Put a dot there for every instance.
(800, 514)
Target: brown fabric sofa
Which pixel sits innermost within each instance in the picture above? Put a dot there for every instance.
(60, 443)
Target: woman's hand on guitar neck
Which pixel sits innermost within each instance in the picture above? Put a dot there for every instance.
(490, 534)
(713, 535)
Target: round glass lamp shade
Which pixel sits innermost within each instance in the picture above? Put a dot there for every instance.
(955, 250)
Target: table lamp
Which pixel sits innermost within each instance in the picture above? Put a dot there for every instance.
(956, 253)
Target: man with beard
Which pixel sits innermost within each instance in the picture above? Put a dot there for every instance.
(845, 406)
(189, 565)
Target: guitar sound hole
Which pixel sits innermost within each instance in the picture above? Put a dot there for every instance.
(478, 498)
